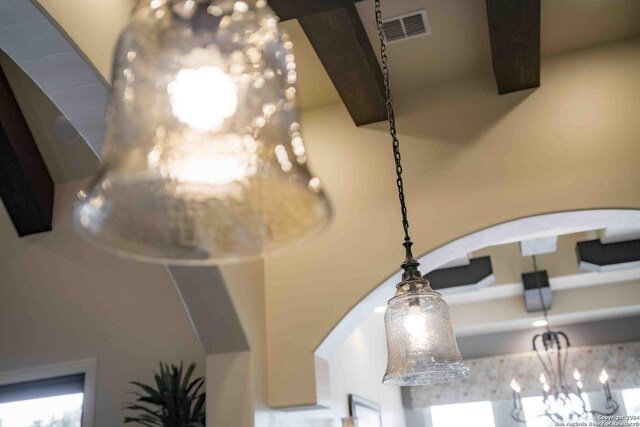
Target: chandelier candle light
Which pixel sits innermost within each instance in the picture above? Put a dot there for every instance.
(420, 341)
(204, 161)
(562, 401)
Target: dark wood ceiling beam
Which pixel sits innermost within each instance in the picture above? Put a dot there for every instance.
(514, 28)
(292, 9)
(341, 42)
(26, 188)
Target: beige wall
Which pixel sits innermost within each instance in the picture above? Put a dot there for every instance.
(63, 301)
(472, 159)
(356, 367)
(237, 382)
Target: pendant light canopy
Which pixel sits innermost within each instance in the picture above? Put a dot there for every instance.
(420, 340)
(204, 160)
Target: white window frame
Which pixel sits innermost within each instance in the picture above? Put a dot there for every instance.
(88, 367)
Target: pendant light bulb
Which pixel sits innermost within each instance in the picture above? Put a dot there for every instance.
(204, 160)
(603, 377)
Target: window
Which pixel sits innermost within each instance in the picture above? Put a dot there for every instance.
(534, 409)
(476, 414)
(51, 402)
(631, 398)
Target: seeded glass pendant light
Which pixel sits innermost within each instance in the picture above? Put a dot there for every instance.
(420, 341)
(204, 161)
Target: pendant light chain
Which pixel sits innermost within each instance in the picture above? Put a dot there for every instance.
(392, 122)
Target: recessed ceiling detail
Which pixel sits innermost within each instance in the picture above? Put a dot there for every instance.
(593, 255)
(477, 274)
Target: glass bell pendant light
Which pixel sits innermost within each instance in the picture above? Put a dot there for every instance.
(203, 158)
(420, 340)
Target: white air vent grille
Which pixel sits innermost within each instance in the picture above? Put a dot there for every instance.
(414, 24)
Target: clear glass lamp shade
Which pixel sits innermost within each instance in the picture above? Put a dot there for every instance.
(420, 340)
(204, 160)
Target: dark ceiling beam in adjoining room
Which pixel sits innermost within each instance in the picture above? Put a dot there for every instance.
(514, 29)
(478, 273)
(593, 255)
(26, 188)
(341, 42)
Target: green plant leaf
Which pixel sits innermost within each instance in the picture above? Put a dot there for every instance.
(176, 400)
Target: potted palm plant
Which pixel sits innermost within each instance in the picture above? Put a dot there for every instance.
(174, 400)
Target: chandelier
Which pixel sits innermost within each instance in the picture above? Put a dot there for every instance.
(420, 341)
(204, 160)
(562, 401)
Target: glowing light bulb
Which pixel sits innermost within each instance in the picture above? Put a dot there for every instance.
(545, 387)
(538, 323)
(416, 326)
(543, 379)
(210, 165)
(203, 98)
(515, 386)
(604, 377)
(576, 375)
(579, 384)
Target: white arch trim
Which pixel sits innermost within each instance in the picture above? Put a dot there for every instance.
(557, 223)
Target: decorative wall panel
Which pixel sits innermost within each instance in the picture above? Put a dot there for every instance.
(490, 376)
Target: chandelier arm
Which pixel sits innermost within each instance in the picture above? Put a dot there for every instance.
(554, 380)
(566, 338)
(517, 413)
(562, 380)
(535, 348)
(613, 407)
(556, 418)
(583, 405)
(562, 364)
(392, 126)
(517, 417)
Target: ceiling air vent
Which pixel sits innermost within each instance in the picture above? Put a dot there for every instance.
(414, 24)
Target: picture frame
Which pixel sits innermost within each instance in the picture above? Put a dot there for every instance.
(367, 413)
